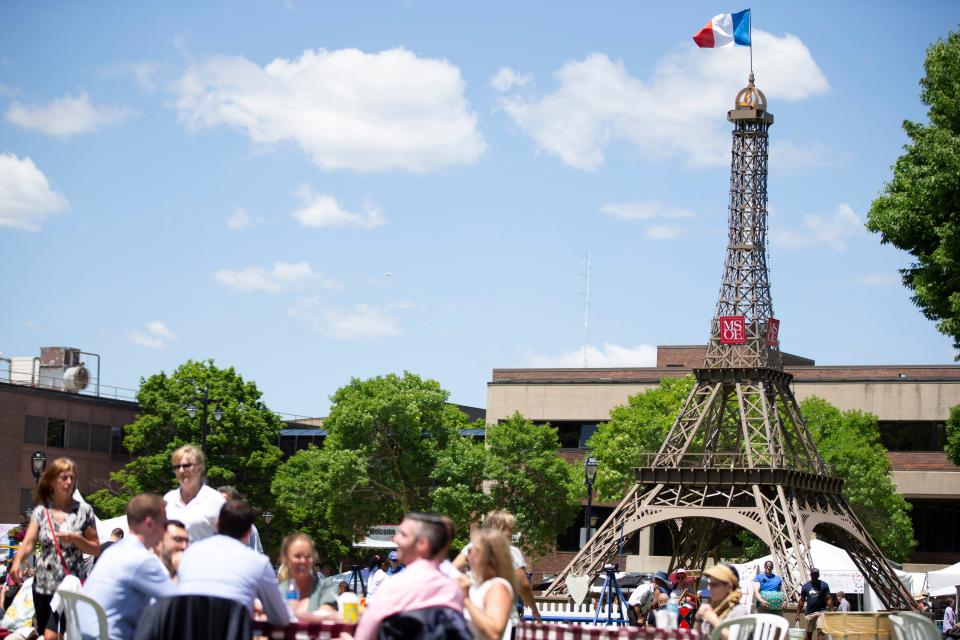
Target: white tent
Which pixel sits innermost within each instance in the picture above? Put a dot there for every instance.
(104, 527)
(836, 568)
(943, 582)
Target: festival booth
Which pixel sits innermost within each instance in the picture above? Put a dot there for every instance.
(943, 582)
(836, 569)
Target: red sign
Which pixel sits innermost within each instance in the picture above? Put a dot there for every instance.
(733, 330)
(773, 332)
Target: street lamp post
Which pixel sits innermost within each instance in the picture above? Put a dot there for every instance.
(38, 463)
(267, 517)
(205, 401)
(589, 474)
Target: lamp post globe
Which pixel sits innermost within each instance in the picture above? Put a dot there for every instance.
(38, 463)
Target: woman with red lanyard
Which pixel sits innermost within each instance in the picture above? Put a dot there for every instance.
(66, 530)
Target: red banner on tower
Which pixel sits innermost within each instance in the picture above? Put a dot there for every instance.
(733, 330)
(773, 332)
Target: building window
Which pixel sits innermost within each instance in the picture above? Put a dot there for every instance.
(56, 430)
(116, 441)
(100, 438)
(573, 434)
(35, 430)
(78, 436)
(936, 525)
(906, 435)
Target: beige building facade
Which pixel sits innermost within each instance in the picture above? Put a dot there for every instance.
(911, 403)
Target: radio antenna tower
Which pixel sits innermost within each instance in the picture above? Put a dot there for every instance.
(586, 313)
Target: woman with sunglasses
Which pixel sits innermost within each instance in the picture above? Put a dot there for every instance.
(194, 503)
(724, 584)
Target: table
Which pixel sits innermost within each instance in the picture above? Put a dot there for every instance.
(553, 631)
(303, 630)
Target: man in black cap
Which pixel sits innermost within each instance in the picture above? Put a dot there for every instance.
(814, 594)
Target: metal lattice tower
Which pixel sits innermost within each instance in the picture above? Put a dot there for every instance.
(739, 454)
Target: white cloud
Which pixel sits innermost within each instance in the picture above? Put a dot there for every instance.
(610, 355)
(820, 231)
(661, 232)
(362, 322)
(877, 279)
(66, 116)
(144, 73)
(346, 109)
(649, 210)
(644, 210)
(506, 79)
(678, 111)
(9, 92)
(284, 276)
(787, 157)
(320, 210)
(26, 198)
(157, 336)
(239, 219)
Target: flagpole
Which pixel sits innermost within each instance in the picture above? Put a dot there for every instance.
(750, 9)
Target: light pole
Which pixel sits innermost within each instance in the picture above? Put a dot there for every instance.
(267, 517)
(38, 463)
(205, 401)
(589, 474)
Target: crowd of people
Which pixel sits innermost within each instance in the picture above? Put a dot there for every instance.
(197, 540)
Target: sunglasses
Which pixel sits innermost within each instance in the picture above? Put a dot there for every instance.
(184, 466)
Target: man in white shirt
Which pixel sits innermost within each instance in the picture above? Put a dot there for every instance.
(225, 567)
(126, 579)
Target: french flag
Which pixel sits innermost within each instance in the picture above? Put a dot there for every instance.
(725, 30)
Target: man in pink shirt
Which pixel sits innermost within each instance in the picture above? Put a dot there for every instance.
(421, 585)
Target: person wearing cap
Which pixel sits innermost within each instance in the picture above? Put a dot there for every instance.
(681, 582)
(644, 598)
(813, 594)
(768, 589)
(724, 599)
(395, 567)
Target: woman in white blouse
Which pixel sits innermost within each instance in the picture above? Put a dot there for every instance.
(488, 601)
(194, 503)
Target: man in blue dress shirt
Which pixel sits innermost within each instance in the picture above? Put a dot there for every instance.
(125, 579)
(225, 567)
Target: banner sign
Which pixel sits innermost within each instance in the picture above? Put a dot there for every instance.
(773, 332)
(733, 330)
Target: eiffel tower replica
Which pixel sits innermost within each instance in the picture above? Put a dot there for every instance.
(739, 454)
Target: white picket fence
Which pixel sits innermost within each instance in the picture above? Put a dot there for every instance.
(567, 611)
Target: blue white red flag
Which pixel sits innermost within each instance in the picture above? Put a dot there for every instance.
(725, 30)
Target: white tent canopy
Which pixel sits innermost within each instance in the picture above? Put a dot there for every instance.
(837, 569)
(944, 581)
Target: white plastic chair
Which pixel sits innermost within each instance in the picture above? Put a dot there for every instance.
(69, 601)
(907, 625)
(759, 626)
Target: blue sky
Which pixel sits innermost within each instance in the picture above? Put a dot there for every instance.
(317, 191)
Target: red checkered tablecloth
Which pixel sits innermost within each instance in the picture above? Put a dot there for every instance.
(303, 630)
(555, 631)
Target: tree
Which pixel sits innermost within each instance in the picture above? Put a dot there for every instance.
(241, 446)
(386, 453)
(850, 441)
(919, 209)
(634, 429)
(528, 479)
(953, 436)
(301, 489)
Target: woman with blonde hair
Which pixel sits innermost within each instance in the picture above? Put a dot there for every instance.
(66, 530)
(488, 601)
(724, 584)
(194, 503)
(316, 595)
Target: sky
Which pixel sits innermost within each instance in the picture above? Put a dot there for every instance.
(311, 192)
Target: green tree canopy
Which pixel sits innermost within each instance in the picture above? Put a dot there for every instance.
(528, 479)
(850, 441)
(953, 436)
(636, 428)
(919, 209)
(241, 446)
